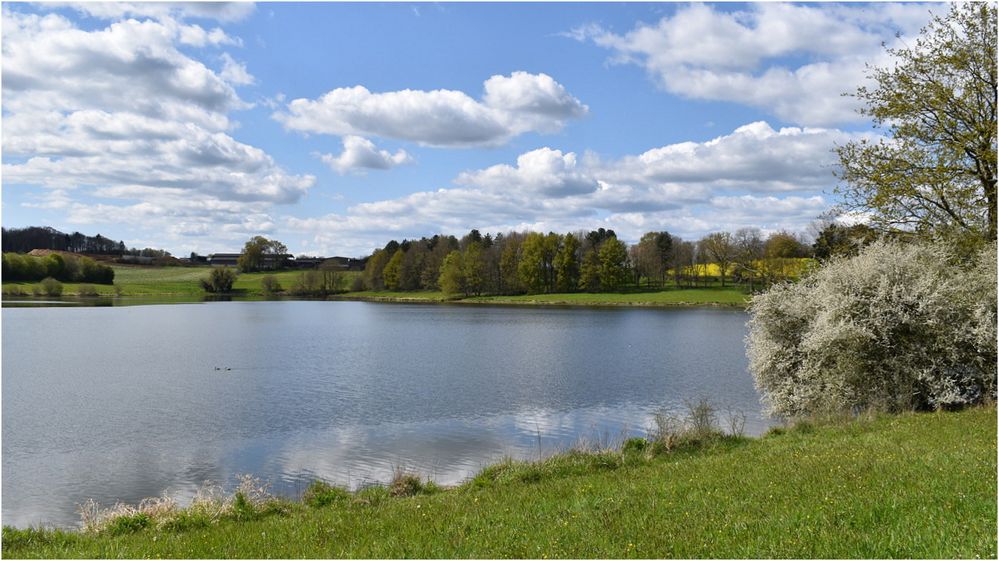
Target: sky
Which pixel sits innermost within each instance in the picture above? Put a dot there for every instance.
(337, 127)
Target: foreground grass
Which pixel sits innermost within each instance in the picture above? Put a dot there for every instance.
(912, 486)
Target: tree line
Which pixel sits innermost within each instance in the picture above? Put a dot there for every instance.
(597, 261)
(23, 240)
(67, 268)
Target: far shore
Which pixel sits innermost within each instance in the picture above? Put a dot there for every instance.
(164, 285)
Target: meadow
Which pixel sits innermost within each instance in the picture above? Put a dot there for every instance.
(910, 486)
(171, 281)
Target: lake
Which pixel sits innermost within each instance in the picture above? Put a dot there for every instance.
(123, 403)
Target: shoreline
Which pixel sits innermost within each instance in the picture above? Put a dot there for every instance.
(685, 487)
(515, 301)
(504, 301)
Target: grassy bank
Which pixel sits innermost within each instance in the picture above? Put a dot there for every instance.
(728, 296)
(713, 295)
(906, 486)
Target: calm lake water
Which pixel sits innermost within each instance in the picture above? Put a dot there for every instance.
(118, 404)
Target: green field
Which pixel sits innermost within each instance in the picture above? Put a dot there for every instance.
(172, 281)
(909, 486)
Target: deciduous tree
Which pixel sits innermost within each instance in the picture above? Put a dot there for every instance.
(613, 264)
(935, 173)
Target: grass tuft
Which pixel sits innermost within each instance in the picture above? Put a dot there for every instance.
(405, 485)
(321, 494)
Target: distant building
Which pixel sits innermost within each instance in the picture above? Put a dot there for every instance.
(305, 262)
(267, 261)
(223, 259)
(345, 263)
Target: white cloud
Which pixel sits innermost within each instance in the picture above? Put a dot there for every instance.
(532, 101)
(512, 105)
(793, 61)
(50, 65)
(222, 11)
(124, 128)
(361, 154)
(235, 72)
(754, 176)
(196, 36)
(544, 172)
(754, 157)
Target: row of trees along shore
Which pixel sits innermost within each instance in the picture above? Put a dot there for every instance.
(66, 268)
(596, 261)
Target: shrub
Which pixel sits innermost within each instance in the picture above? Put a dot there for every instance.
(405, 485)
(52, 287)
(242, 509)
(634, 445)
(269, 284)
(55, 265)
(702, 421)
(14, 291)
(35, 268)
(696, 428)
(92, 271)
(128, 523)
(86, 290)
(220, 280)
(897, 327)
(320, 494)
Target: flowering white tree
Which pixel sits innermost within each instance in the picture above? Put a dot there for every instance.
(898, 327)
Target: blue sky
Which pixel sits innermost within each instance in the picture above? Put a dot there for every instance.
(336, 127)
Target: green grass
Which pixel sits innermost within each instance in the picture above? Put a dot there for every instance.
(912, 486)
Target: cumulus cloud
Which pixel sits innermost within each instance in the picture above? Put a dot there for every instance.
(755, 176)
(222, 11)
(543, 172)
(235, 72)
(793, 61)
(130, 66)
(361, 154)
(754, 157)
(120, 114)
(511, 105)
